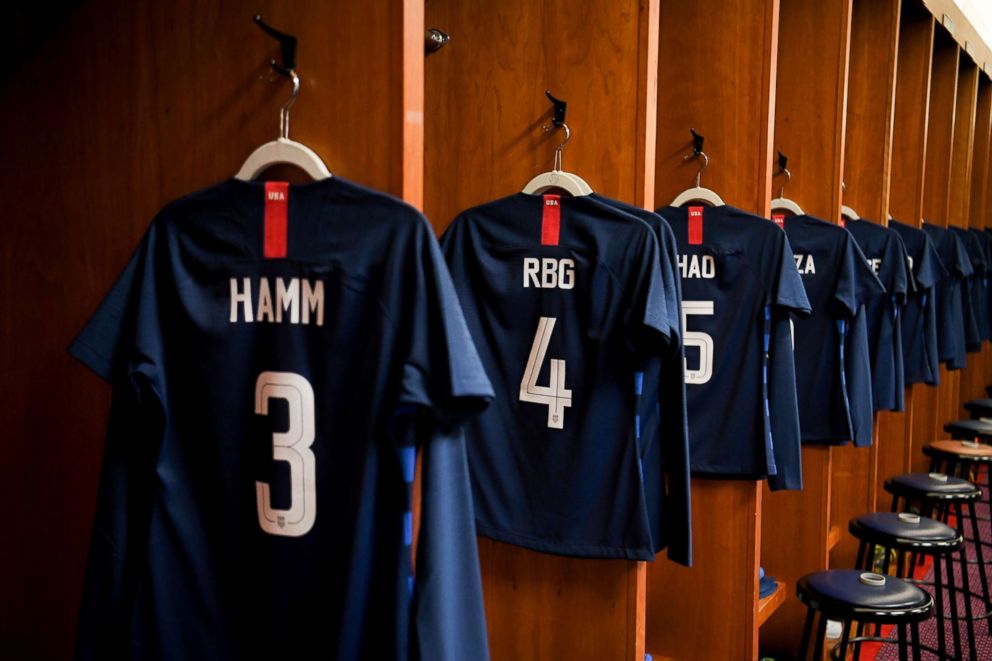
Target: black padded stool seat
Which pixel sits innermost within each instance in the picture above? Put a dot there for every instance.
(887, 529)
(979, 408)
(840, 594)
(969, 429)
(924, 485)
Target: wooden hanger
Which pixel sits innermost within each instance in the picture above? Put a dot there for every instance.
(283, 150)
(697, 193)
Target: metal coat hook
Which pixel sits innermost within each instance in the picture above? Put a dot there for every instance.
(697, 151)
(782, 162)
(558, 121)
(434, 40)
(287, 46)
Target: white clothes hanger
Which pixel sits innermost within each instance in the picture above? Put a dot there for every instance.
(697, 193)
(846, 211)
(282, 150)
(572, 184)
(782, 203)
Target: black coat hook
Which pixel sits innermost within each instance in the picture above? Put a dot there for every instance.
(697, 142)
(558, 114)
(287, 44)
(783, 161)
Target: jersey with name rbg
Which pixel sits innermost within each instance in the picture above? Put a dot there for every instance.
(565, 298)
(278, 354)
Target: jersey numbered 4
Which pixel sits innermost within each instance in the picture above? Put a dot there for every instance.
(700, 340)
(554, 395)
(293, 447)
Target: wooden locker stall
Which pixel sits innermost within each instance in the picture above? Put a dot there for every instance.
(810, 128)
(867, 173)
(485, 107)
(712, 611)
(163, 99)
(936, 209)
(975, 377)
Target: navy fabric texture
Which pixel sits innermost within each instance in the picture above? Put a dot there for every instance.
(951, 291)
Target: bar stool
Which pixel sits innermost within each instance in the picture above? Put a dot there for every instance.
(970, 430)
(937, 494)
(913, 535)
(850, 594)
(979, 408)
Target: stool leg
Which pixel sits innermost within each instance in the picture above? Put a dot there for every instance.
(915, 641)
(938, 596)
(859, 563)
(980, 554)
(901, 564)
(895, 503)
(844, 639)
(821, 633)
(953, 597)
(857, 643)
(903, 656)
(965, 588)
(807, 630)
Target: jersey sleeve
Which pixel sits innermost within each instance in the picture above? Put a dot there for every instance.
(784, 405)
(856, 282)
(857, 369)
(900, 279)
(124, 334)
(647, 320)
(442, 371)
(787, 289)
(930, 269)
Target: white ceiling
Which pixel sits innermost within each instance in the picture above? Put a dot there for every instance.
(979, 13)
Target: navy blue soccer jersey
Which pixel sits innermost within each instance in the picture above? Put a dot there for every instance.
(950, 293)
(972, 289)
(838, 283)
(662, 412)
(974, 241)
(278, 353)
(919, 315)
(739, 288)
(886, 256)
(565, 298)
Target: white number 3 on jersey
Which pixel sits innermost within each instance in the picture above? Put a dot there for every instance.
(293, 447)
(554, 395)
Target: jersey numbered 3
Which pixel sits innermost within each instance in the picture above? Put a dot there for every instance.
(554, 395)
(293, 447)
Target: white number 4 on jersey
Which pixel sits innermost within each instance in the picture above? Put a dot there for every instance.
(554, 395)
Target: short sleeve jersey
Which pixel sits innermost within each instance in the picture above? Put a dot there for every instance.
(272, 381)
(739, 279)
(886, 255)
(566, 300)
(838, 283)
(977, 302)
(950, 293)
(664, 426)
(919, 315)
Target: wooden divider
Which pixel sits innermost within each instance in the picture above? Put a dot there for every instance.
(810, 129)
(975, 376)
(936, 209)
(867, 173)
(485, 107)
(909, 148)
(712, 611)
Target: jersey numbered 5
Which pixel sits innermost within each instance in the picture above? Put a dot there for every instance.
(702, 341)
(554, 395)
(293, 447)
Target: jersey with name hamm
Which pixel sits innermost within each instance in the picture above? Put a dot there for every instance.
(255, 500)
(565, 300)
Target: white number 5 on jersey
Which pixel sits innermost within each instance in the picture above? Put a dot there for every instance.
(698, 339)
(554, 395)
